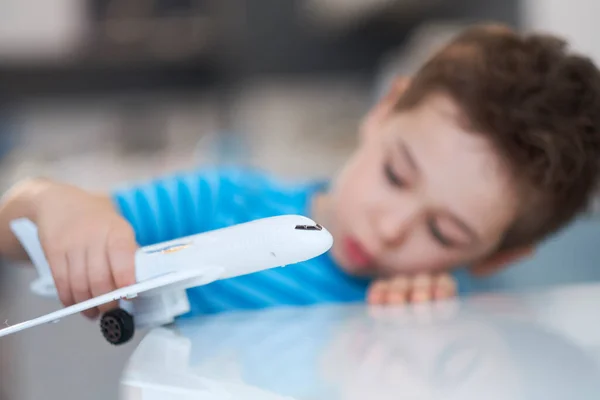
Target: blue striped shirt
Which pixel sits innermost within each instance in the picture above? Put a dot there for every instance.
(198, 201)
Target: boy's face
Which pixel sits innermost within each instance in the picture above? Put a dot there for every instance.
(419, 194)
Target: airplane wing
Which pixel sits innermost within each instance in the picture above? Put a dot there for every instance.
(164, 282)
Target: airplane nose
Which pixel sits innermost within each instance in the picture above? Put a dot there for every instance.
(297, 238)
(327, 239)
(315, 237)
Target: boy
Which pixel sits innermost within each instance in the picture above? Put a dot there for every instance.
(491, 147)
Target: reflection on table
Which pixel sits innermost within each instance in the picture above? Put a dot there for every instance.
(536, 346)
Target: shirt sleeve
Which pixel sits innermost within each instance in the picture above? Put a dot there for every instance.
(170, 207)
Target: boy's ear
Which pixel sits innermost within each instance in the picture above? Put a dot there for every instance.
(500, 260)
(385, 104)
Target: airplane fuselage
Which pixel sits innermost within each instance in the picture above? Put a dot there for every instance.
(241, 249)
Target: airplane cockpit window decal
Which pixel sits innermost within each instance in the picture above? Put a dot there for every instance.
(315, 227)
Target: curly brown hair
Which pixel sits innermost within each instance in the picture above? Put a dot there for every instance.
(538, 105)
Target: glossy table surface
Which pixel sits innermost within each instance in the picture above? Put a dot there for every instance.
(540, 345)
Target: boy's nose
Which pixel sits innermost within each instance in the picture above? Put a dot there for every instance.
(394, 220)
(393, 227)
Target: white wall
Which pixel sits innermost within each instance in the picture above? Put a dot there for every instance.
(45, 30)
(576, 20)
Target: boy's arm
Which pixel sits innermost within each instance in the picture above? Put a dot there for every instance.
(157, 210)
(20, 201)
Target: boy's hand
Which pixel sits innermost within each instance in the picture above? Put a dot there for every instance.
(90, 248)
(408, 289)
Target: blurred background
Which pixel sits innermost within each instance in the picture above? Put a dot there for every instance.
(103, 92)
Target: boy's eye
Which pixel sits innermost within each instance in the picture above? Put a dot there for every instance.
(391, 176)
(437, 234)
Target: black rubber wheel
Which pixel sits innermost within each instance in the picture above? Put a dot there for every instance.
(117, 326)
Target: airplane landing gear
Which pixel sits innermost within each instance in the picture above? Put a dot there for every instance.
(117, 326)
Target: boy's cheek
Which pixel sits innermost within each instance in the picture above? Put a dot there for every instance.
(359, 190)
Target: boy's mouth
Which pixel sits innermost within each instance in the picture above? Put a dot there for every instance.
(357, 254)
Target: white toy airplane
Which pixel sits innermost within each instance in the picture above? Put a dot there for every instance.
(163, 271)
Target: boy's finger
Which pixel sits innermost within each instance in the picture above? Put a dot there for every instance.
(100, 275)
(377, 293)
(122, 265)
(121, 247)
(79, 280)
(398, 290)
(59, 266)
(421, 288)
(444, 287)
